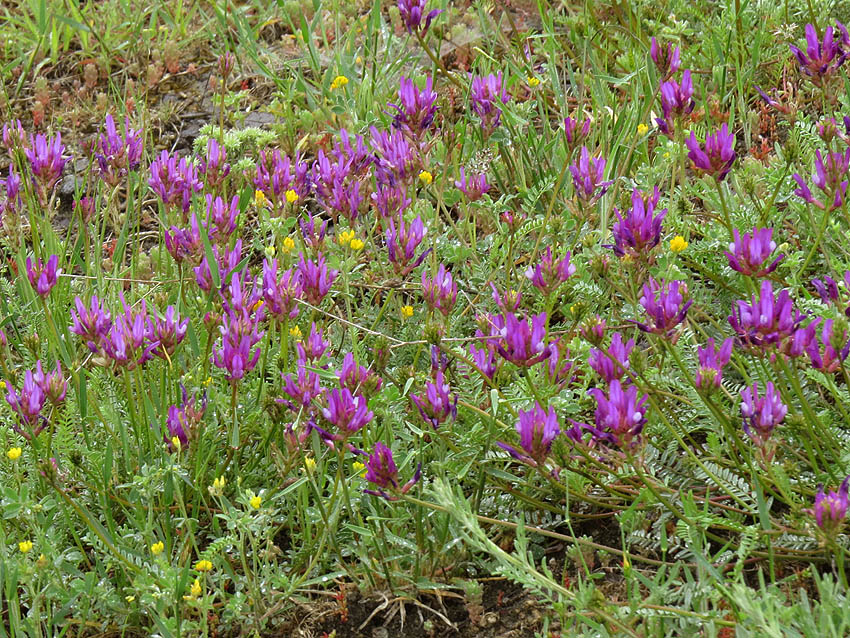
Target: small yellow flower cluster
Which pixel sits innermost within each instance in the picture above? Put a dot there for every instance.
(14, 453)
(339, 82)
(310, 464)
(345, 237)
(407, 312)
(256, 501)
(175, 441)
(270, 250)
(426, 178)
(259, 199)
(295, 333)
(678, 244)
(203, 565)
(25, 546)
(359, 468)
(288, 244)
(157, 548)
(533, 81)
(291, 196)
(642, 129)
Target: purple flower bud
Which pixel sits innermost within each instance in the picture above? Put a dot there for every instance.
(677, 99)
(416, 113)
(222, 216)
(402, 241)
(396, 161)
(827, 288)
(614, 363)
(475, 187)
(314, 238)
(14, 136)
(46, 163)
(358, 378)
(574, 134)
(226, 61)
(381, 471)
(830, 178)
(829, 349)
(822, 59)
(174, 181)
(214, 166)
(440, 293)
(312, 348)
(761, 414)
(239, 334)
(665, 306)
(412, 13)
(167, 332)
(549, 273)
(117, 155)
(29, 403)
(303, 388)
(559, 365)
(507, 301)
(717, 157)
(588, 177)
(830, 509)
(43, 276)
(667, 60)
(711, 362)
(437, 404)
(390, 201)
(748, 254)
(593, 330)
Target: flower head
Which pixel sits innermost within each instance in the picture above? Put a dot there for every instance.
(823, 58)
(416, 108)
(640, 230)
(46, 163)
(614, 363)
(487, 96)
(830, 509)
(620, 415)
(667, 60)
(831, 179)
(349, 413)
(474, 187)
(382, 472)
(43, 276)
(521, 343)
(316, 278)
(437, 404)
(665, 306)
(718, 155)
(589, 177)
(440, 292)
(92, 324)
(711, 362)
(761, 414)
(413, 13)
(403, 239)
(550, 273)
(537, 429)
(767, 321)
(749, 253)
(117, 155)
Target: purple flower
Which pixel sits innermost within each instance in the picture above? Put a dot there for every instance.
(396, 161)
(358, 378)
(830, 177)
(402, 241)
(29, 403)
(711, 362)
(475, 187)
(440, 293)
(46, 162)
(520, 344)
(183, 419)
(766, 321)
(620, 416)
(665, 306)
(381, 471)
(222, 216)
(214, 166)
(128, 342)
(667, 60)
(43, 276)
(117, 155)
(174, 181)
(226, 265)
(312, 348)
(390, 201)
(827, 288)
(416, 113)
(185, 244)
(347, 412)
(559, 365)
(588, 177)
(761, 414)
(280, 295)
(53, 384)
(547, 275)
(437, 404)
(614, 363)
(822, 59)
(747, 254)
(412, 13)
(274, 177)
(830, 509)
(828, 350)
(316, 278)
(239, 334)
(487, 95)
(303, 388)
(314, 237)
(14, 135)
(167, 332)
(507, 301)
(640, 231)
(12, 187)
(537, 429)
(717, 157)
(92, 324)
(676, 101)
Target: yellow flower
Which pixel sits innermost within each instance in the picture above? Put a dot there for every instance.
(310, 464)
(256, 501)
(157, 548)
(219, 483)
(533, 81)
(678, 244)
(270, 251)
(407, 312)
(295, 333)
(258, 305)
(666, 155)
(2, 385)
(356, 244)
(175, 441)
(195, 590)
(259, 198)
(25, 546)
(339, 81)
(129, 599)
(41, 562)
(345, 237)
(14, 453)
(208, 382)
(203, 565)
(288, 244)
(426, 177)
(359, 468)
(291, 196)
(642, 129)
